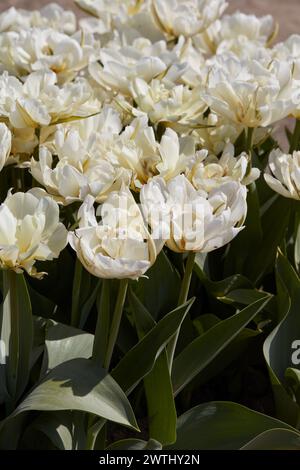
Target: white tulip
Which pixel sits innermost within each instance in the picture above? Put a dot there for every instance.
(216, 132)
(186, 17)
(40, 101)
(5, 144)
(283, 173)
(119, 66)
(259, 30)
(210, 172)
(191, 220)
(50, 16)
(249, 93)
(176, 154)
(46, 49)
(162, 101)
(289, 49)
(137, 150)
(30, 231)
(119, 247)
(82, 167)
(106, 8)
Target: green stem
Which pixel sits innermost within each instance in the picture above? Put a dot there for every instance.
(296, 137)
(10, 306)
(103, 323)
(75, 314)
(116, 320)
(183, 296)
(249, 140)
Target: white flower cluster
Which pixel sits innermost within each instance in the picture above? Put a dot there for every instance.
(144, 102)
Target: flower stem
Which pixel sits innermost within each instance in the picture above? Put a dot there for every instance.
(296, 137)
(183, 295)
(249, 141)
(115, 325)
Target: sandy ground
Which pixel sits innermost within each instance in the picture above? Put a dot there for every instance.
(286, 12)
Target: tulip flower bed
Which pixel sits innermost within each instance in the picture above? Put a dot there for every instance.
(149, 228)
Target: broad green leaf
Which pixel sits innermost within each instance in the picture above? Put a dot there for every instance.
(275, 439)
(243, 296)
(135, 444)
(278, 346)
(164, 295)
(262, 257)
(251, 236)
(84, 293)
(65, 430)
(80, 385)
(221, 426)
(221, 289)
(162, 417)
(292, 377)
(199, 353)
(103, 322)
(139, 361)
(16, 335)
(235, 349)
(63, 343)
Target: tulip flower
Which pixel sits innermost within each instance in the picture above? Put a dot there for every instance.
(191, 220)
(283, 173)
(5, 144)
(30, 231)
(120, 246)
(187, 17)
(210, 172)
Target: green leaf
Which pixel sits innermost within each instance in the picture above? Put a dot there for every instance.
(275, 439)
(232, 352)
(84, 293)
(162, 415)
(166, 292)
(135, 444)
(103, 323)
(221, 426)
(63, 343)
(200, 352)
(261, 260)
(278, 346)
(221, 289)
(251, 235)
(80, 385)
(16, 338)
(139, 361)
(292, 377)
(65, 430)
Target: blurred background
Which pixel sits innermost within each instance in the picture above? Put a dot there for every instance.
(286, 12)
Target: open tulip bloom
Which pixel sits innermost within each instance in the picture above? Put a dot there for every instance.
(149, 227)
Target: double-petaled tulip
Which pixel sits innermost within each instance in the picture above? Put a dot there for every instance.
(238, 29)
(283, 173)
(191, 220)
(186, 17)
(120, 65)
(5, 144)
(41, 102)
(251, 93)
(120, 246)
(165, 102)
(46, 49)
(81, 167)
(210, 172)
(50, 16)
(30, 231)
